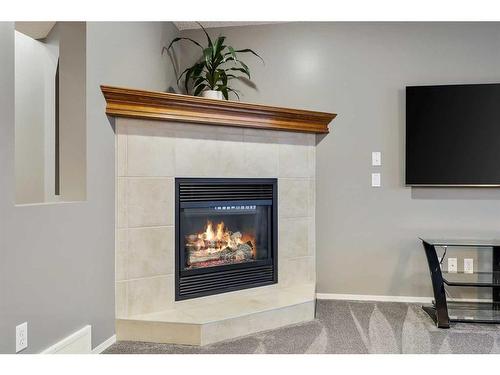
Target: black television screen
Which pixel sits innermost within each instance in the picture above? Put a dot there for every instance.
(453, 135)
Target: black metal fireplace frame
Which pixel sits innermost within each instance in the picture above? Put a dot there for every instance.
(268, 267)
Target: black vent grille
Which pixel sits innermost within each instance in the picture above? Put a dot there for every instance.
(224, 281)
(199, 192)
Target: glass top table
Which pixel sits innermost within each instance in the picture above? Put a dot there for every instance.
(465, 242)
(473, 312)
(479, 279)
(442, 311)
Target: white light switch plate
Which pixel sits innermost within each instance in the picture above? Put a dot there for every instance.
(21, 336)
(468, 265)
(375, 179)
(376, 158)
(452, 265)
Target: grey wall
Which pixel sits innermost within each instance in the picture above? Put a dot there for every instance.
(32, 66)
(367, 237)
(57, 260)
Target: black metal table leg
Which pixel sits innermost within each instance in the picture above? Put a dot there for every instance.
(496, 275)
(440, 313)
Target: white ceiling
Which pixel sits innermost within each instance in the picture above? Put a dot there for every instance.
(36, 30)
(40, 30)
(189, 25)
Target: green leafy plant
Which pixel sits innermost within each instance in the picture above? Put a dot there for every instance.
(217, 66)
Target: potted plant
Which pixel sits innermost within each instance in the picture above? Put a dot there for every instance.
(210, 76)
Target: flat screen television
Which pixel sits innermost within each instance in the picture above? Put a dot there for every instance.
(453, 135)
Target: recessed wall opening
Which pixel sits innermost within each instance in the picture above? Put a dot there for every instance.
(50, 112)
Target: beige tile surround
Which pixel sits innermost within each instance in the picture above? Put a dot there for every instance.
(150, 154)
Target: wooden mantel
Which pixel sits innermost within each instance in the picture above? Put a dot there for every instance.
(132, 103)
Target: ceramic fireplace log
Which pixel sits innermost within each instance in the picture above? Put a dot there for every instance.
(242, 252)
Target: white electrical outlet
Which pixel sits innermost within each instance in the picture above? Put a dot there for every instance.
(452, 265)
(468, 265)
(375, 179)
(376, 158)
(21, 336)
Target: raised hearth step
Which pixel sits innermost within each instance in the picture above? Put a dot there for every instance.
(206, 320)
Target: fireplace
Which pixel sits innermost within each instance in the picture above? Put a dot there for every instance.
(226, 235)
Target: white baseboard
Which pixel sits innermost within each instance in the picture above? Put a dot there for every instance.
(79, 342)
(377, 298)
(104, 345)
(369, 297)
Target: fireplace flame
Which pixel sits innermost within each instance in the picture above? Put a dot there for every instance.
(219, 246)
(209, 233)
(219, 235)
(220, 231)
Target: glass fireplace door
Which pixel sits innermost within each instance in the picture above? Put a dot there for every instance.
(224, 233)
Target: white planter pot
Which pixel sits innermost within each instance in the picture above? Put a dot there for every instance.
(212, 94)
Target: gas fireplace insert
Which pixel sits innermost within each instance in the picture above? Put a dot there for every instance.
(226, 235)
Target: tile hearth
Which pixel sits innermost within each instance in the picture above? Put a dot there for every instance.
(201, 322)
